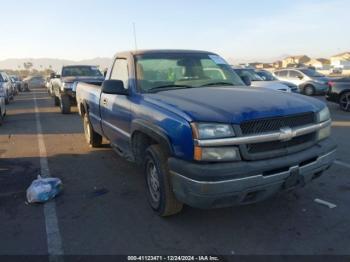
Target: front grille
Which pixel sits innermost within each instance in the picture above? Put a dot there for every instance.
(278, 145)
(275, 124)
(276, 148)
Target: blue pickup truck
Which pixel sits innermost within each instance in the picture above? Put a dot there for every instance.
(204, 138)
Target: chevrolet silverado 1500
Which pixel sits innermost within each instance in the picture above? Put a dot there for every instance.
(203, 138)
(63, 85)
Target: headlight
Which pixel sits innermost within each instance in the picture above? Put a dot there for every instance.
(216, 154)
(324, 133)
(323, 115)
(214, 131)
(211, 131)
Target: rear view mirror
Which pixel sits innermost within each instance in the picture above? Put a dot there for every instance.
(115, 87)
(246, 80)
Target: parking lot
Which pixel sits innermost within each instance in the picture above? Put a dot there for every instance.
(103, 209)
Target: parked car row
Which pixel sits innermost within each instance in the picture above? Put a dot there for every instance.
(11, 85)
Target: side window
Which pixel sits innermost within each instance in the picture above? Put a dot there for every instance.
(120, 71)
(283, 73)
(294, 74)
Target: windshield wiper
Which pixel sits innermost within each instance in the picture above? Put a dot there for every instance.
(218, 84)
(169, 86)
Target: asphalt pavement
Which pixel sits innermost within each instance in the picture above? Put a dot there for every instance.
(104, 211)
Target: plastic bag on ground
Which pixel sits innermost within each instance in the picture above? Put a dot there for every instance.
(43, 189)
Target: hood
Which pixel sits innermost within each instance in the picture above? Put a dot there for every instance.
(275, 85)
(232, 104)
(87, 79)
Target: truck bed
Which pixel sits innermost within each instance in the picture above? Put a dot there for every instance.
(87, 92)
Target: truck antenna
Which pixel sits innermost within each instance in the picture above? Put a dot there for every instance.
(135, 39)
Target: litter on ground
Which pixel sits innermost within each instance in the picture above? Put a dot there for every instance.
(44, 189)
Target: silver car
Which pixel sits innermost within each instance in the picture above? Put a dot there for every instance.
(309, 81)
(6, 83)
(33, 82)
(2, 102)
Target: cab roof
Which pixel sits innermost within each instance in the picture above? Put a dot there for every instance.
(164, 51)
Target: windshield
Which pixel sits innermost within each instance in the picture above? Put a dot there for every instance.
(266, 76)
(81, 71)
(311, 73)
(249, 73)
(183, 70)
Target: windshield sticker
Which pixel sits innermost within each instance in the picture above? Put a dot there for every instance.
(218, 60)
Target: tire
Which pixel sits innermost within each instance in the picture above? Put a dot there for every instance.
(309, 90)
(344, 102)
(65, 104)
(1, 118)
(7, 100)
(92, 138)
(56, 101)
(160, 194)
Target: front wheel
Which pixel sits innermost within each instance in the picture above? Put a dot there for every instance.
(56, 101)
(344, 102)
(92, 138)
(309, 90)
(158, 184)
(65, 104)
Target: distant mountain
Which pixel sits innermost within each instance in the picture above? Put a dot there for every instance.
(55, 64)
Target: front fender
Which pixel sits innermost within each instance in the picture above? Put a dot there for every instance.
(153, 131)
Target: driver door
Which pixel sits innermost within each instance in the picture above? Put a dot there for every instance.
(116, 109)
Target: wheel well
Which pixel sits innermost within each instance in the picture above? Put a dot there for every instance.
(139, 144)
(83, 109)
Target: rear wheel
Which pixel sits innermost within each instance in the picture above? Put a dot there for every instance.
(309, 90)
(65, 104)
(1, 118)
(158, 184)
(7, 100)
(344, 102)
(92, 138)
(56, 101)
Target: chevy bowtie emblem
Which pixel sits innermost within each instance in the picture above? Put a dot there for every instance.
(286, 134)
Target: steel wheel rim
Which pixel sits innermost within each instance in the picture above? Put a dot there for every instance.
(153, 181)
(345, 102)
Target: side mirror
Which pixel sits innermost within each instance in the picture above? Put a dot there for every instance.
(300, 77)
(115, 87)
(246, 80)
(57, 76)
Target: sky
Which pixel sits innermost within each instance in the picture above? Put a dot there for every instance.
(245, 30)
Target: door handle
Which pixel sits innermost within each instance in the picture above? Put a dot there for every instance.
(104, 101)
